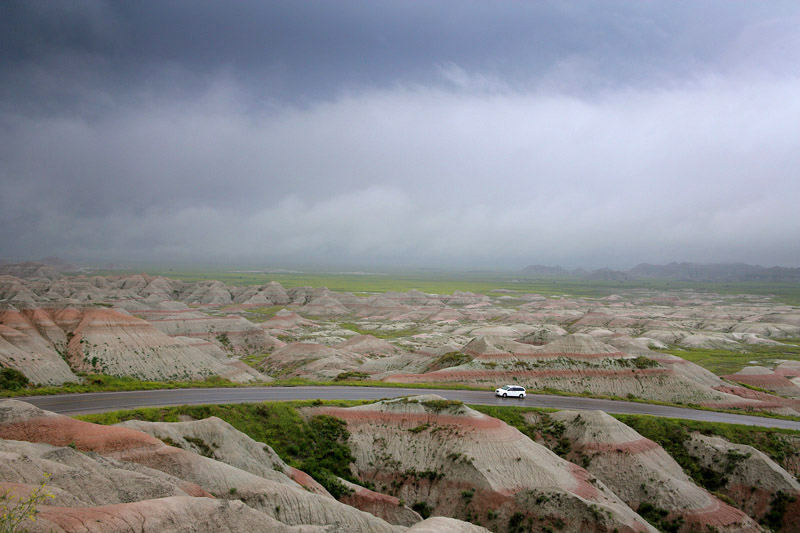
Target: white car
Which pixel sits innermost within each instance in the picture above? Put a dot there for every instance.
(510, 390)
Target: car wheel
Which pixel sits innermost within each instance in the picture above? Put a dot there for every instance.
(505, 395)
(521, 396)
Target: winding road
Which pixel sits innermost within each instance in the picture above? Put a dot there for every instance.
(99, 402)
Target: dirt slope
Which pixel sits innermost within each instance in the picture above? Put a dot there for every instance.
(641, 472)
(464, 464)
(751, 479)
(40, 342)
(282, 501)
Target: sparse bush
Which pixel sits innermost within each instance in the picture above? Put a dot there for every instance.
(515, 523)
(659, 518)
(643, 362)
(14, 509)
(352, 375)
(224, 341)
(423, 509)
(448, 360)
(442, 405)
(778, 506)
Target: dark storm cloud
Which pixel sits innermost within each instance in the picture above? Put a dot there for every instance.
(441, 132)
(300, 50)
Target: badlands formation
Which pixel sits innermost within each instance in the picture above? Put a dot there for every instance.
(419, 456)
(413, 457)
(123, 479)
(154, 328)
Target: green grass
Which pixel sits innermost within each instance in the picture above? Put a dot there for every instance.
(262, 314)
(104, 383)
(725, 362)
(398, 334)
(317, 445)
(255, 359)
(447, 281)
(671, 434)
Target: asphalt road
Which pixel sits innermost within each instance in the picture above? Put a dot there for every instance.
(99, 402)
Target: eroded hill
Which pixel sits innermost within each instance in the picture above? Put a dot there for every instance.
(161, 329)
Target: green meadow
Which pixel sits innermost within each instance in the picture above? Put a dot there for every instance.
(449, 281)
(725, 362)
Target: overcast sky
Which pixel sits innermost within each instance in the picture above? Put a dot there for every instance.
(408, 132)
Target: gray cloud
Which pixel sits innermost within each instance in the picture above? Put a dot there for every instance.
(288, 134)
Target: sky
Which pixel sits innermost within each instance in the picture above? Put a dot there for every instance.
(401, 133)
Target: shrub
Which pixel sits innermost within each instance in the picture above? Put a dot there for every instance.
(643, 362)
(12, 379)
(423, 509)
(16, 509)
(351, 375)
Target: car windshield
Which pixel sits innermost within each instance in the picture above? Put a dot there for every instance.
(506, 387)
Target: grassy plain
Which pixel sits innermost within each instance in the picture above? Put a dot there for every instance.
(725, 362)
(448, 281)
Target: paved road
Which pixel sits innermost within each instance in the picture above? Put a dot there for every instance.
(98, 402)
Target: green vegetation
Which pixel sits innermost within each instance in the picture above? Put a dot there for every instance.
(778, 506)
(438, 406)
(545, 430)
(423, 509)
(255, 359)
(12, 379)
(14, 509)
(642, 362)
(224, 341)
(203, 448)
(352, 375)
(658, 518)
(725, 362)
(105, 383)
(672, 434)
(317, 446)
(515, 523)
(397, 334)
(448, 360)
(446, 282)
(262, 314)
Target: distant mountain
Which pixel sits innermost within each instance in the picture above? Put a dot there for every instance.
(30, 270)
(47, 268)
(60, 264)
(677, 271)
(714, 272)
(606, 274)
(541, 270)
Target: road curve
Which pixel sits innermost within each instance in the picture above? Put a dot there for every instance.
(99, 402)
